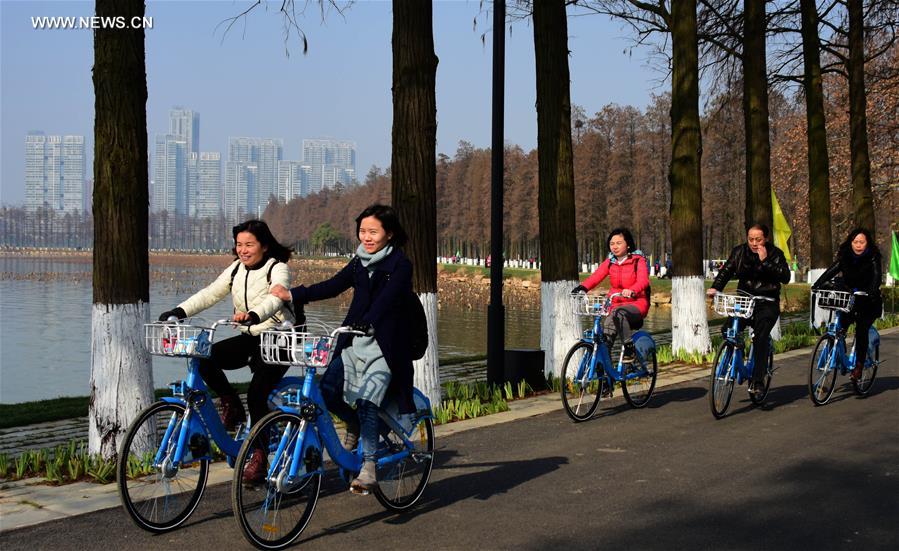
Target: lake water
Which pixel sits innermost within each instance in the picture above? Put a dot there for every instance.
(45, 325)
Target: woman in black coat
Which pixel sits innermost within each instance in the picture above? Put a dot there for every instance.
(373, 369)
(859, 263)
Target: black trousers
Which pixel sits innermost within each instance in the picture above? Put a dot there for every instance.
(863, 314)
(235, 353)
(762, 322)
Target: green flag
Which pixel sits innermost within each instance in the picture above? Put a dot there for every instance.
(894, 258)
(782, 231)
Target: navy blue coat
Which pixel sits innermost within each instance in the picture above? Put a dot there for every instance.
(379, 301)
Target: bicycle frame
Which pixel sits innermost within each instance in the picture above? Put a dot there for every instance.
(738, 370)
(838, 354)
(309, 404)
(201, 417)
(603, 356)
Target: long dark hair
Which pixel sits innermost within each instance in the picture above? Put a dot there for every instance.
(845, 250)
(260, 231)
(628, 238)
(388, 219)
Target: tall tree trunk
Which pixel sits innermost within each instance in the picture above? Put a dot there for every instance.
(121, 380)
(755, 114)
(414, 164)
(689, 325)
(818, 161)
(558, 242)
(862, 196)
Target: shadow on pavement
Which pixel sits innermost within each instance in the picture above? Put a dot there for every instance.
(820, 503)
(496, 479)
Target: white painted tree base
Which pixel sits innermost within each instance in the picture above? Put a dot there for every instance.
(822, 316)
(689, 322)
(427, 372)
(121, 375)
(559, 328)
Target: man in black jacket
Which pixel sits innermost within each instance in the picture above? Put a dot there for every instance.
(761, 268)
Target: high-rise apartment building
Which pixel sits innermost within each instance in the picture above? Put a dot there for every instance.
(169, 191)
(263, 155)
(330, 162)
(185, 124)
(239, 193)
(54, 172)
(205, 184)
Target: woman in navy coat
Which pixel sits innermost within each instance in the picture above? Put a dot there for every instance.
(376, 368)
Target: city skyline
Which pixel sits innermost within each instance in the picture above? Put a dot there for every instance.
(245, 85)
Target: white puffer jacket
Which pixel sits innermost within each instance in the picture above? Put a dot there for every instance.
(249, 293)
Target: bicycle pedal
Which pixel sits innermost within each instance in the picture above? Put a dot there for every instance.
(359, 491)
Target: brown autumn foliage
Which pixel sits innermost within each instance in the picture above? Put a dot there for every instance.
(621, 156)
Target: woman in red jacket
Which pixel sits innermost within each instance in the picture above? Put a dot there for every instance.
(628, 274)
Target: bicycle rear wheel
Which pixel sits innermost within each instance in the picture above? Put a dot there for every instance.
(640, 380)
(822, 373)
(758, 397)
(721, 380)
(159, 497)
(580, 393)
(863, 385)
(401, 482)
(273, 513)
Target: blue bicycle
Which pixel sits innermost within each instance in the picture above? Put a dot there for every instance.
(588, 373)
(830, 352)
(274, 513)
(163, 465)
(728, 367)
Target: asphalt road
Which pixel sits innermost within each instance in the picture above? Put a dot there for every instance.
(785, 476)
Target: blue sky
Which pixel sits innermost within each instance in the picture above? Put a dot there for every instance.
(243, 83)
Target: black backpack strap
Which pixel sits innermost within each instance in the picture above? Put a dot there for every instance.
(233, 275)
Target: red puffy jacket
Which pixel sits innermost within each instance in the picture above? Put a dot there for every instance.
(631, 273)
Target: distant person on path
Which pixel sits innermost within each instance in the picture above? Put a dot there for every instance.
(761, 268)
(367, 369)
(261, 264)
(860, 264)
(628, 274)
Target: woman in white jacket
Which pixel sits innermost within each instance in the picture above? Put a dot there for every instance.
(261, 263)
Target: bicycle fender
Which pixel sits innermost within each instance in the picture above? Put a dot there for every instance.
(173, 400)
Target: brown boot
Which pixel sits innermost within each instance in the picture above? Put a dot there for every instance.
(856, 373)
(256, 468)
(233, 413)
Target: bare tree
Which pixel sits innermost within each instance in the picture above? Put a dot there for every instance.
(558, 242)
(413, 166)
(121, 380)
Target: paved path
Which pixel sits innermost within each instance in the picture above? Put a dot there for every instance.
(784, 476)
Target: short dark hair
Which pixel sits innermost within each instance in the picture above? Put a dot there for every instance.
(386, 215)
(628, 238)
(261, 232)
(846, 246)
(759, 226)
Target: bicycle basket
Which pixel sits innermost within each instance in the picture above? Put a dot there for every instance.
(835, 300)
(175, 339)
(734, 306)
(290, 347)
(589, 305)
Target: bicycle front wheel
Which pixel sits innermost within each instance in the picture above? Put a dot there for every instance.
(863, 384)
(822, 373)
(401, 482)
(274, 512)
(640, 380)
(157, 495)
(580, 392)
(721, 380)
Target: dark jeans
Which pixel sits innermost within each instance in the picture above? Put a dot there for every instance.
(762, 322)
(622, 320)
(331, 386)
(863, 315)
(235, 353)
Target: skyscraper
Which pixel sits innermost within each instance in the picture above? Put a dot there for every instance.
(185, 124)
(169, 191)
(239, 190)
(205, 171)
(54, 172)
(330, 162)
(263, 154)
